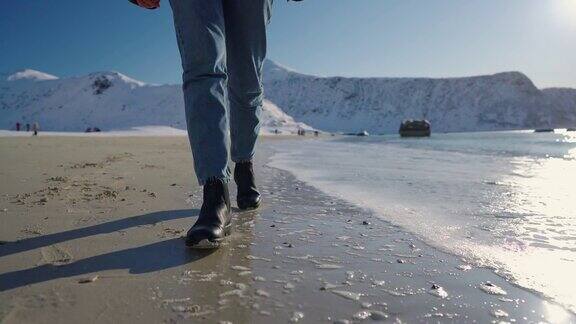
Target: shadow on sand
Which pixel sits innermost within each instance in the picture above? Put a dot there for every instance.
(104, 228)
(148, 258)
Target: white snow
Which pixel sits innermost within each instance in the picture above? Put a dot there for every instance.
(110, 101)
(501, 101)
(113, 75)
(273, 118)
(29, 74)
(563, 104)
(113, 101)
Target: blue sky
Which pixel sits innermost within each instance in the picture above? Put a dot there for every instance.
(427, 38)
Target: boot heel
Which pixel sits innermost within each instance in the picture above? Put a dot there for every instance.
(248, 196)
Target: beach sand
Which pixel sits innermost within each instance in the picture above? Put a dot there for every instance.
(91, 231)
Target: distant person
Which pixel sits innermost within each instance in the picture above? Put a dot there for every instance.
(17, 126)
(222, 46)
(35, 128)
(27, 127)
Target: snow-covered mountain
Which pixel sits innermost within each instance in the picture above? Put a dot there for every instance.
(113, 101)
(494, 102)
(563, 105)
(107, 100)
(28, 74)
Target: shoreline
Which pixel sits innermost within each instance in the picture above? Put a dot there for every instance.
(167, 131)
(390, 180)
(304, 256)
(143, 131)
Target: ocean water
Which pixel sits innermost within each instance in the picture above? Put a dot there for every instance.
(506, 200)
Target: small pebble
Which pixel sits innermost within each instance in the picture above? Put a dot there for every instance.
(88, 280)
(342, 321)
(347, 294)
(289, 286)
(499, 313)
(378, 315)
(262, 293)
(492, 289)
(362, 315)
(438, 291)
(464, 267)
(296, 316)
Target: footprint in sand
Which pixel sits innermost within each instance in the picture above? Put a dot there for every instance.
(55, 255)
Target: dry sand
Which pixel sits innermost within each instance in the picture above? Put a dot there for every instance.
(91, 231)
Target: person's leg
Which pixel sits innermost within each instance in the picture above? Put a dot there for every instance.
(246, 22)
(201, 38)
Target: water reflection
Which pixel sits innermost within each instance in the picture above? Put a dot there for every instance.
(542, 190)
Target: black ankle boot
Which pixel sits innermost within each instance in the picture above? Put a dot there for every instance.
(248, 196)
(213, 223)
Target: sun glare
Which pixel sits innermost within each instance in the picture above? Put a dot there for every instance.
(565, 11)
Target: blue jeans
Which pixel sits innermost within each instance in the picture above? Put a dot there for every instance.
(222, 45)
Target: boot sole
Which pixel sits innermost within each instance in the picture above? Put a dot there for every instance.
(252, 207)
(207, 244)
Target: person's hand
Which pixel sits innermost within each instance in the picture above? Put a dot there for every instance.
(148, 4)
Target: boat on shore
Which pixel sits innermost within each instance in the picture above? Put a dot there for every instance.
(415, 128)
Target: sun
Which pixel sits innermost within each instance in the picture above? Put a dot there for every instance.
(564, 11)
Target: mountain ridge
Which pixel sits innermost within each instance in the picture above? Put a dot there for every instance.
(112, 100)
(501, 101)
(108, 100)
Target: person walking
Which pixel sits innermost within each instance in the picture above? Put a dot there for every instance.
(222, 46)
(35, 128)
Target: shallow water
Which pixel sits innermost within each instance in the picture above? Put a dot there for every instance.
(500, 199)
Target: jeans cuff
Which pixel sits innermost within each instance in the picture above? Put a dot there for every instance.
(242, 160)
(224, 179)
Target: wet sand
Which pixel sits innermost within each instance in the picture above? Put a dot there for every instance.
(91, 231)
